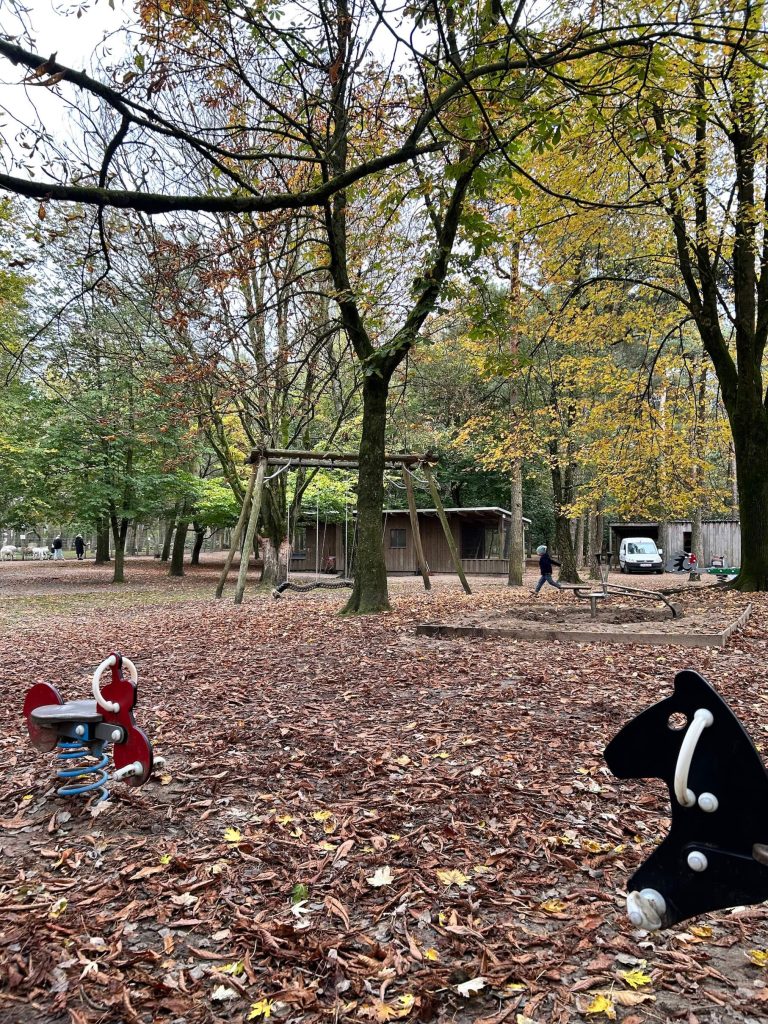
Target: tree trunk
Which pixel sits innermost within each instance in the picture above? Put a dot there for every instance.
(750, 439)
(169, 525)
(102, 542)
(516, 531)
(696, 535)
(198, 545)
(732, 481)
(274, 518)
(119, 534)
(562, 492)
(275, 570)
(132, 549)
(564, 547)
(369, 593)
(179, 542)
(579, 542)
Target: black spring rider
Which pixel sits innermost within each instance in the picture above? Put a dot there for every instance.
(716, 853)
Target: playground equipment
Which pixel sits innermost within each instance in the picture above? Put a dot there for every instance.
(80, 730)
(716, 853)
(592, 594)
(304, 588)
(283, 460)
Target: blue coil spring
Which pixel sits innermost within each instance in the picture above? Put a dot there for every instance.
(70, 750)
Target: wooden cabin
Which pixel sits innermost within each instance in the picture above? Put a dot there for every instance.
(720, 538)
(481, 536)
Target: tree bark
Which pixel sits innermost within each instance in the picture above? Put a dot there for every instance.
(179, 542)
(169, 527)
(102, 542)
(198, 545)
(579, 542)
(369, 593)
(562, 492)
(119, 534)
(516, 529)
(750, 438)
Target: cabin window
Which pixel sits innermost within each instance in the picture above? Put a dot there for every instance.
(299, 543)
(397, 538)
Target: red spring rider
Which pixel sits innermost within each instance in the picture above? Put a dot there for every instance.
(79, 730)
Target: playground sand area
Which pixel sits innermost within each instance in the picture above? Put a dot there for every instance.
(705, 617)
(353, 824)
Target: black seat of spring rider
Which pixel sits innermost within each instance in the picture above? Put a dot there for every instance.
(71, 713)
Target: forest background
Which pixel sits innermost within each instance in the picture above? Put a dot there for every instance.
(530, 240)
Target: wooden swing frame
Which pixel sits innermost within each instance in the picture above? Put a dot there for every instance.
(262, 459)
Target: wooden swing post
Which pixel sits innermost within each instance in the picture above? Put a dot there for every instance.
(250, 532)
(446, 528)
(420, 559)
(238, 531)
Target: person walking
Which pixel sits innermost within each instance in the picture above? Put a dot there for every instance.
(58, 547)
(79, 547)
(545, 568)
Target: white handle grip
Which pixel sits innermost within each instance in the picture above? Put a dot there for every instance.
(701, 721)
(109, 705)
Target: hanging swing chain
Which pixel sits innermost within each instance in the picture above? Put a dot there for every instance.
(416, 479)
(277, 472)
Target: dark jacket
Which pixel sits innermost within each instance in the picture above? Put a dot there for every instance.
(79, 545)
(546, 563)
(58, 543)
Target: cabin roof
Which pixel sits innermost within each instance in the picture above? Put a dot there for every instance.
(458, 511)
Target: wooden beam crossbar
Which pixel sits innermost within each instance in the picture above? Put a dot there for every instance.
(303, 459)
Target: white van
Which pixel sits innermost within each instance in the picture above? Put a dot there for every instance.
(640, 554)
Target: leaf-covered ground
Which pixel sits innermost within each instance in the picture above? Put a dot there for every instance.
(354, 823)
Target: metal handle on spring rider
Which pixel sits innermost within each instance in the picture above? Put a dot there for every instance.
(109, 705)
(701, 721)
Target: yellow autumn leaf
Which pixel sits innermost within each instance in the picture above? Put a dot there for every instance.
(431, 954)
(553, 906)
(322, 815)
(235, 969)
(325, 845)
(635, 978)
(284, 819)
(759, 957)
(602, 1004)
(450, 876)
(702, 931)
(262, 1008)
(403, 760)
(58, 908)
(442, 918)
(233, 835)
(381, 1011)
(591, 845)
(165, 859)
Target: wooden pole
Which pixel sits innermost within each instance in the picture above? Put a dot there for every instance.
(446, 528)
(420, 559)
(236, 534)
(250, 533)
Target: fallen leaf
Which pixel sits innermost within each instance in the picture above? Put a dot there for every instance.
(381, 876)
(469, 988)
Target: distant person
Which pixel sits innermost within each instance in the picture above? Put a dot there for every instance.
(545, 568)
(58, 547)
(79, 547)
